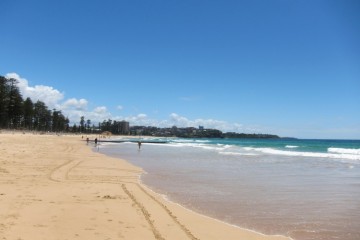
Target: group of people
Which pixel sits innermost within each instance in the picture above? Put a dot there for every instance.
(96, 142)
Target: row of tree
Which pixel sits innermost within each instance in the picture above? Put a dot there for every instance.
(115, 127)
(17, 113)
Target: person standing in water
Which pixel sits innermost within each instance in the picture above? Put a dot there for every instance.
(139, 144)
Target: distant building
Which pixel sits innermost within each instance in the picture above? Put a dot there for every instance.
(124, 127)
(201, 128)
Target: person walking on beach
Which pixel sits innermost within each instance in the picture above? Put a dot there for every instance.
(139, 144)
(96, 141)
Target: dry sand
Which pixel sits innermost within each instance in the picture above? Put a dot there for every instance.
(56, 187)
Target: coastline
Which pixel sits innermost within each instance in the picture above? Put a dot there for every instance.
(56, 187)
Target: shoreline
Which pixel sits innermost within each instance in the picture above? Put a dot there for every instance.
(57, 187)
(165, 197)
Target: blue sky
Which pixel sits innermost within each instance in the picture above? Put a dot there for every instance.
(286, 67)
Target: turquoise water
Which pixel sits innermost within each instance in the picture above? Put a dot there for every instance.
(306, 146)
(347, 149)
(306, 189)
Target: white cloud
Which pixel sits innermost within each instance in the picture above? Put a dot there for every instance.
(141, 120)
(96, 115)
(99, 114)
(72, 108)
(119, 107)
(46, 94)
(142, 116)
(75, 108)
(181, 121)
(100, 110)
(73, 103)
(177, 119)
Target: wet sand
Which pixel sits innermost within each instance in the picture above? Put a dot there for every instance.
(56, 187)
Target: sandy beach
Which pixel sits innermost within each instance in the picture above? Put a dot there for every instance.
(56, 187)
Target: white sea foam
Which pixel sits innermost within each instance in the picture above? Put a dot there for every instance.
(193, 144)
(345, 150)
(291, 146)
(227, 146)
(306, 154)
(182, 141)
(225, 149)
(202, 141)
(252, 151)
(238, 154)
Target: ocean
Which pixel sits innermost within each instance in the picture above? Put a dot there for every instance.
(305, 189)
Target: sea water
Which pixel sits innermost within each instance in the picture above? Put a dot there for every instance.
(305, 189)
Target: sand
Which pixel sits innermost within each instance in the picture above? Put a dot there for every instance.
(56, 187)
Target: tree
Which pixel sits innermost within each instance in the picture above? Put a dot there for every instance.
(60, 123)
(66, 124)
(17, 113)
(74, 128)
(88, 122)
(42, 117)
(15, 110)
(56, 121)
(4, 101)
(28, 108)
(82, 123)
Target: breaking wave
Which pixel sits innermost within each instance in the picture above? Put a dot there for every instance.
(334, 153)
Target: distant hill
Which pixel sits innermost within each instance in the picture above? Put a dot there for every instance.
(245, 135)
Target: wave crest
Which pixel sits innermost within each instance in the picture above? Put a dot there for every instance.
(291, 146)
(344, 150)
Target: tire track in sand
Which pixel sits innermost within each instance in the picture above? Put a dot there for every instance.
(61, 173)
(171, 215)
(146, 214)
